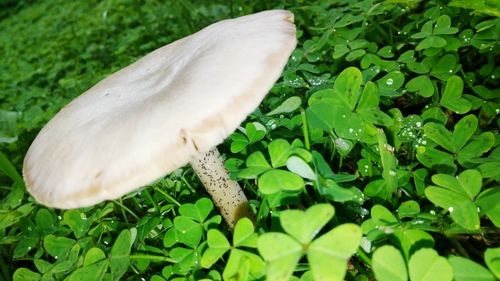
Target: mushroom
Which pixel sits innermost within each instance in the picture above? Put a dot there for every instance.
(169, 108)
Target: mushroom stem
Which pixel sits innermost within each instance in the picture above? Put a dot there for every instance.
(226, 193)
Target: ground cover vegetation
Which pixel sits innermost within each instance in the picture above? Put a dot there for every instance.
(376, 156)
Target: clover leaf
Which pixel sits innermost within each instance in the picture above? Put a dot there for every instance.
(327, 254)
(457, 196)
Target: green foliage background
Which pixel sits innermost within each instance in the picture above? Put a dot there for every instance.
(381, 134)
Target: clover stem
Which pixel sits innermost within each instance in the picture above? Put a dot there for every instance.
(168, 196)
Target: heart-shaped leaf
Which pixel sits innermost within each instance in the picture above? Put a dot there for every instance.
(409, 208)
(389, 265)
(332, 191)
(320, 116)
(350, 126)
(190, 232)
(452, 96)
(253, 133)
(93, 255)
(279, 150)
(470, 182)
(445, 67)
(376, 116)
(93, 271)
(463, 131)
(468, 270)
(462, 210)
(239, 142)
(475, 148)
(198, 211)
(354, 55)
(346, 87)
(244, 235)
(411, 239)
(281, 252)
(340, 50)
(303, 226)
(241, 264)
(432, 41)
(45, 219)
(382, 215)
(435, 114)
(390, 83)
(427, 265)
(369, 98)
(377, 188)
(426, 31)
(289, 105)
(119, 258)
(300, 167)
(419, 67)
(185, 259)
(422, 85)
(440, 135)
(492, 259)
(328, 255)
(217, 247)
(488, 199)
(57, 246)
(26, 274)
(436, 159)
(443, 24)
(257, 160)
(275, 180)
(77, 221)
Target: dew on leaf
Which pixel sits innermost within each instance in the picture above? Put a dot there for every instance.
(341, 144)
(389, 147)
(386, 229)
(366, 245)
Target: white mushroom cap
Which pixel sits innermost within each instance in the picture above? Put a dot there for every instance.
(157, 114)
